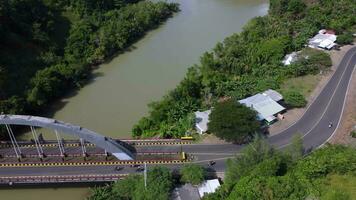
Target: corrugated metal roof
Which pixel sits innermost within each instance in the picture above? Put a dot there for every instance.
(264, 105)
(208, 186)
(202, 120)
(276, 96)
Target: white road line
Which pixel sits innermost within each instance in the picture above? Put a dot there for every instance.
(327, 106)
(313, 99)
(343, 108)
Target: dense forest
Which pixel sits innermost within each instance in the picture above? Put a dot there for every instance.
(260, 172)
(48, 47)
(250, 62)
(326, 174)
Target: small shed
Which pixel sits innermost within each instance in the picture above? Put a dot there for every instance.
(208, 186)
(290, 58)
(201, 121)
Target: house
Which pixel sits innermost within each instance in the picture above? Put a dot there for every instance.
(265, 104)
(201, 121)
(208, 186)
(325, 39)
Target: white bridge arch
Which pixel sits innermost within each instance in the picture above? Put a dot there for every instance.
(110, 145)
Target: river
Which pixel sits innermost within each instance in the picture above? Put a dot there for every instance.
(118, 95)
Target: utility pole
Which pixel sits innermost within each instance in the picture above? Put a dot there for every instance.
(145, 175)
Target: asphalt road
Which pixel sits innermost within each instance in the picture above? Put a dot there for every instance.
(313, 126)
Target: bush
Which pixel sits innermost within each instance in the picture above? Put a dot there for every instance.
(353, 133)
(294, 99)
(193, 174)
(233, 122)
(345, 38)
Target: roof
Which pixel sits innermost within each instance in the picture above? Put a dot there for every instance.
(290, 58)
(264, 105)
(202, 120)
(208, 186)
(276, 96)
(185, 192)
(323, 40)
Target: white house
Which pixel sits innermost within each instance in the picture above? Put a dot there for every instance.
(324, 40)
(265, 104)
(201, 121)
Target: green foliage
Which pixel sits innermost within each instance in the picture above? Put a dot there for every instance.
(263, 173)
(159, 186)
(353, 133)
(294, 99)
(43, 54)
(192, 173)
(250, 62)
(346, 38)
(233, 122)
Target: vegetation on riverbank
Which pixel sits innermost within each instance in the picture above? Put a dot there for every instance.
(250, 62)
(50, 46)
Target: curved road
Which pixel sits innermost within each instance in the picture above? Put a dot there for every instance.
(313, 125)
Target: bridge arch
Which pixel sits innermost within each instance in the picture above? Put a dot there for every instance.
(110, 145)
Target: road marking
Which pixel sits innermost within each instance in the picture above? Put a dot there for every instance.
(97, 163)
(343, 106)
(314, 98)
(327, 106)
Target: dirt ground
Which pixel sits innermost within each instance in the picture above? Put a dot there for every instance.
(293, 115)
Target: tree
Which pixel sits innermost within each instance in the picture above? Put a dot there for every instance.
(294, 99)
(345, 38)
(296, 149)
(193, 174)
(233, 122)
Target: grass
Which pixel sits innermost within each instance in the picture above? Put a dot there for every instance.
(303, 84)
(339, 185)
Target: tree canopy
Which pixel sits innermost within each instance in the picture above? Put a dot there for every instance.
(233, 122)
(48, 47)
(191, 173)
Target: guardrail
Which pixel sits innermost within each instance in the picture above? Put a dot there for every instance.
(75, 143)
(90, 178)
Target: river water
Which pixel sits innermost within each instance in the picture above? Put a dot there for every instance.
(118, 95)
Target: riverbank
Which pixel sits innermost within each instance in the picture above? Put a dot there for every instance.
(118, 96)
(92, 34)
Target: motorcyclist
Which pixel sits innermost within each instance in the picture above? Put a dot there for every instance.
(330, 124)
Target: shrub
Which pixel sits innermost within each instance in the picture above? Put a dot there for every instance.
(294, 99)
(193, 174)
(353, 133)
(345, 38)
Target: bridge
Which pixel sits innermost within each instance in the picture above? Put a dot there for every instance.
(95, 158)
